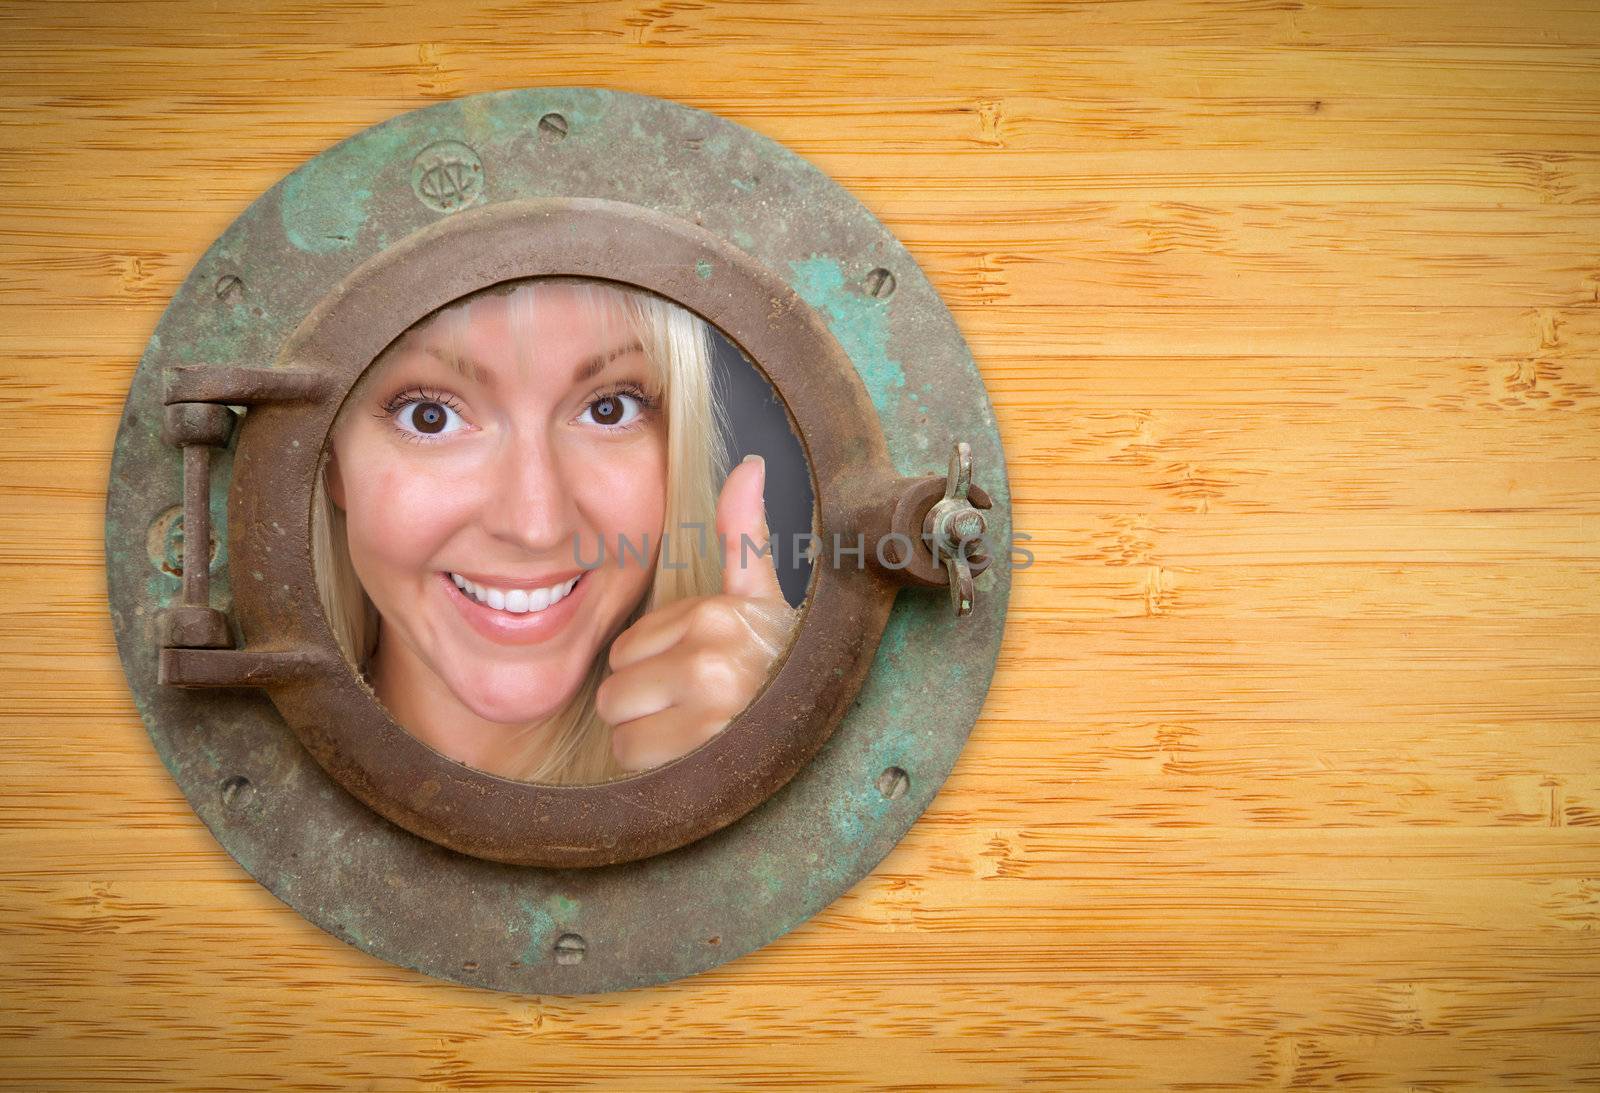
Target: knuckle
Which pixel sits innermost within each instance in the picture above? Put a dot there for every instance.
(714, 618)
(712, 675)
(605, 699)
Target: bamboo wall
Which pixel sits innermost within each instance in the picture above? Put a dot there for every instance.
(1290, 314)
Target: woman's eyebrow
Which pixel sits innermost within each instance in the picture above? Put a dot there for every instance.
(466, 366)
(588, 367)
(593, 366)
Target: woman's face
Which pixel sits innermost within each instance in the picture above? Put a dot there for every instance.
(467, 495)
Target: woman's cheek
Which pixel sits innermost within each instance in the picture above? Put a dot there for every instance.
(405, 514)
(630, 494)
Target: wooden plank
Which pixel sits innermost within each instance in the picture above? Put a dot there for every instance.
(817, 24)
(1051, 98)
(1134, 254)
(249, 146)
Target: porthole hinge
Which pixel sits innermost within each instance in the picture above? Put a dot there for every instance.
(195, 638)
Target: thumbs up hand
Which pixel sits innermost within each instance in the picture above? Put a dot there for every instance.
(681, 674)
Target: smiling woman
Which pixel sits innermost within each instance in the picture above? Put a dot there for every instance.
(494, 534)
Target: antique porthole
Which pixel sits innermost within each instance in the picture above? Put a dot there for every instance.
(282, 745)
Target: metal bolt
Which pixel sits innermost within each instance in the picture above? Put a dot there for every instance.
(553, 125)
(229, 288)
(569, 949)
(965, 527)
(238, 793)
(169, 557)
(893, 783)
(880, 283)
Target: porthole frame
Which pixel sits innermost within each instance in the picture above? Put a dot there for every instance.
(281, 815)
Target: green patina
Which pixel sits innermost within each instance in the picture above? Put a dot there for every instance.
(844, 814)
(545, 922)
(161, 588)
(323, 208)
(541, 934)
(909, 621)
(858, 321)
(770, 878)
(894, 686)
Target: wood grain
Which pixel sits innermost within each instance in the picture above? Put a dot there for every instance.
(1290, 313)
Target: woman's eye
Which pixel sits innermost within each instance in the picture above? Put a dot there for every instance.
(613, 410)
(425, 418)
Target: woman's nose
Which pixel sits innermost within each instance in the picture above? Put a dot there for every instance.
(528, 501)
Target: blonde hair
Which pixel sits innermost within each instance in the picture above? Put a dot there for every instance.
(678, 343)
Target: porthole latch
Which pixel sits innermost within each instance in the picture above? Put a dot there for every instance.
(954, 529)
(931, 531)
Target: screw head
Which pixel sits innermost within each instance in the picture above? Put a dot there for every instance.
(570, 948)
(553, 126)
(893, 783)
(880, 284)
(238, 792)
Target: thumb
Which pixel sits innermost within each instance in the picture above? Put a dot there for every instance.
(742, 527)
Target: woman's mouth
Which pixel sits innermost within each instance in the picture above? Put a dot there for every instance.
(516, 601)
(515, 616)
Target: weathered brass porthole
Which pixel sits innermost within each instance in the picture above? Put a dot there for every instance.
(427, 862)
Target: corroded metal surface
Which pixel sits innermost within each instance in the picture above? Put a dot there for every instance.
(402, 897)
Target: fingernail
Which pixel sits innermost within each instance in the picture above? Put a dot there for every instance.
(754, 458)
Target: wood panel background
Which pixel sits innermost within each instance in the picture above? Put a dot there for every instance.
(1290, 313)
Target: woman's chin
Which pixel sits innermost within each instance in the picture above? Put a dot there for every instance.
(511, 703)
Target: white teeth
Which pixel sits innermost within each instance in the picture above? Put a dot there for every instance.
(518, 601)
